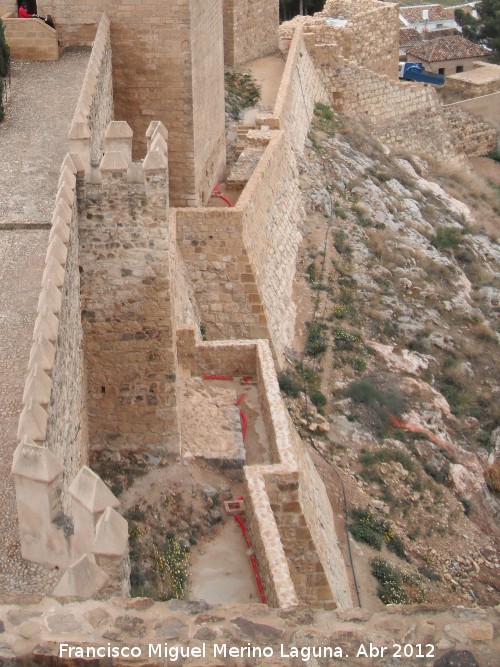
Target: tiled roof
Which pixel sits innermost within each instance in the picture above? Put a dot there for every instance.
(448, 48)
(436, 13)
(409, 36)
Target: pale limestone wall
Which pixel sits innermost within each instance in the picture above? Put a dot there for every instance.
(483, 108)
(306, 569)
(406, 116)
(155, 48)
(241, 261)
(284, 520)
(65, 512)
(371, 36)
(483, 79)
(299, 90)
(320, 522)
(127, 306)
(30, 39)
(272, 211)
(94, 108)
(250, 29)
(54, 410)
(230, 357)
(210, 241)
(208, 108)
(472, 135)
(67, 426)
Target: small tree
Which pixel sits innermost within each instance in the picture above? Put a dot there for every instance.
(4, 65)
(485, 29)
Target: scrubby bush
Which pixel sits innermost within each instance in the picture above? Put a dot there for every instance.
(288, 384)
(446, 238)
(317, 398)
(316, 341)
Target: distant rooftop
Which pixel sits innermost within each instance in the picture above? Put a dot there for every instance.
(448, 48)
(409, 37)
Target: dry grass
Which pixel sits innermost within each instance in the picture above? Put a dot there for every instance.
(492, 476)
(459, 181)
(381, 244)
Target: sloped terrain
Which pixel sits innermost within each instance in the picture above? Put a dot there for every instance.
(397, 345)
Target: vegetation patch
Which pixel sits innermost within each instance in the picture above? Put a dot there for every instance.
(396, 586)
(447, 238)
(316, 340)
(325, 119)
(242, 92)
(374, 531)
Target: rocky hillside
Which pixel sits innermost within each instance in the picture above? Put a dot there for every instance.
(394, 373)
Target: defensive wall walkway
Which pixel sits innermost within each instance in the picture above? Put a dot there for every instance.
(33, 142)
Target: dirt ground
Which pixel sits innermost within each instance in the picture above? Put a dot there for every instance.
(267, 72)
(221, 570)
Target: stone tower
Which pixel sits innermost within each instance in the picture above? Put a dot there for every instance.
(168, 65)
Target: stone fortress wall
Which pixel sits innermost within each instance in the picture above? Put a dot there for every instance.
(357, 65)
(230, 270)
(167, 65)
(249, 29)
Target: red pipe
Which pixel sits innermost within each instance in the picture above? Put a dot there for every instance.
(244, 424)
(252, 559)
(216, 193)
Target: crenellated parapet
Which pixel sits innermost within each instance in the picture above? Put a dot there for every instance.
(57, 525)
(94, 109)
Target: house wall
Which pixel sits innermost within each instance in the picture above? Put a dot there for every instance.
(449, 66)
(250, 29)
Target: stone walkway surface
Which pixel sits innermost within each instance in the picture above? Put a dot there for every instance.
(40, 106)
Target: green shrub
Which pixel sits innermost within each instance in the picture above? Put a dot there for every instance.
(344, 339)
(288, 384)
(395, 544)
(312, 272)
(242, 92)
(363, 533)
(340, 243)
(317, 398)
(325, 119)
(446, 238)
(316, 341)
(366, 392)
(386, 455)
(358, 363)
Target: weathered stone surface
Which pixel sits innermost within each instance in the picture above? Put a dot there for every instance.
(258, 632)
(205, 634)
(457, 659)
(189, 606)
(475, 630)
(18, 616)
(172, 628)
(62, 623)
(131, 625)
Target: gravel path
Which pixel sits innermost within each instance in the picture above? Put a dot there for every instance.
(41, 103)
(32, 145)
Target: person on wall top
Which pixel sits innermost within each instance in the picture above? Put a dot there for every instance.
(23, 12)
